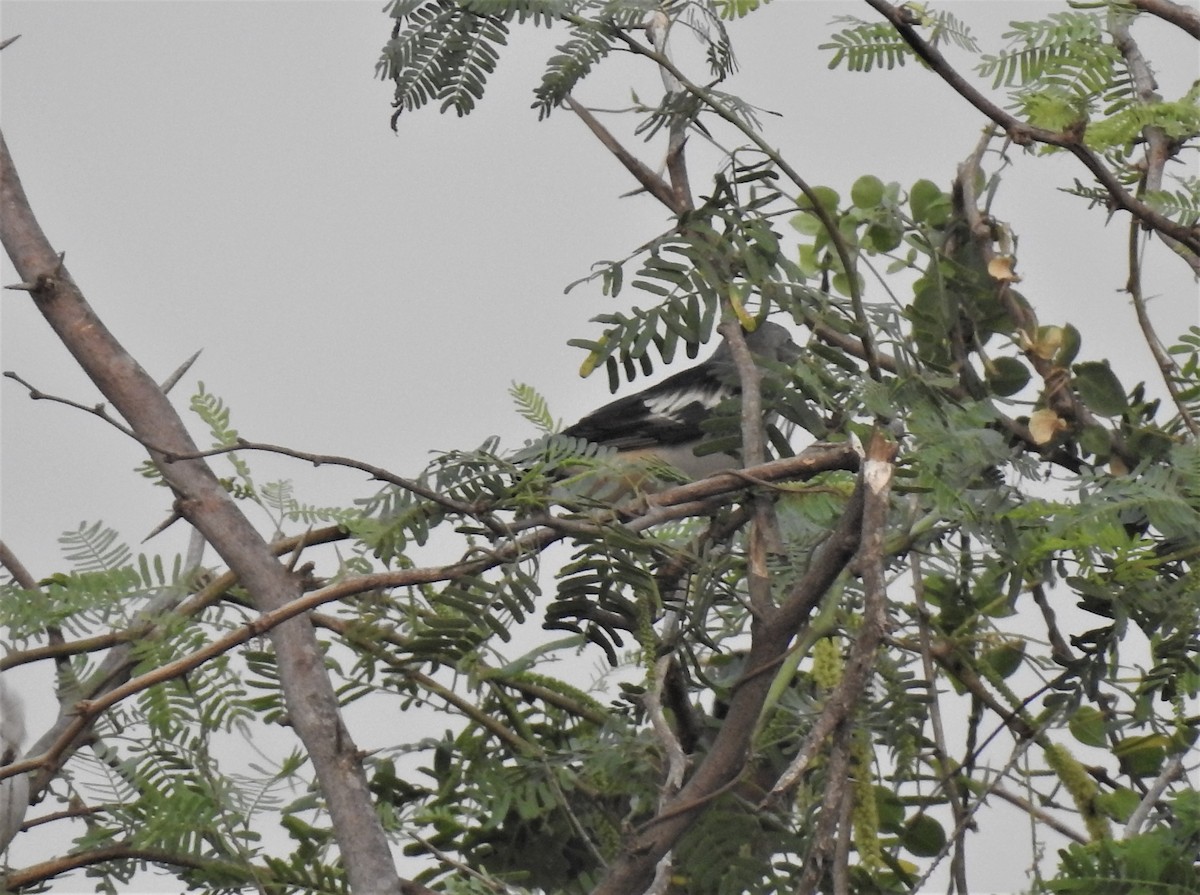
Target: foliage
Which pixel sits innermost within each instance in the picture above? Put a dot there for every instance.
(1039, 550)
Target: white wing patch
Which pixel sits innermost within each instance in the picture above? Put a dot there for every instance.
(671, 405)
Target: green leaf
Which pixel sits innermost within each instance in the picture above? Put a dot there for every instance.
(928, 203)
(1099, 388)
(532, 406)
(890, 809)
(827, 197)
(1071, 342)
(923, 836)
(1095, 440)
(867, 192)
(884, 237)
(1118, 804)
(1006, 658)
(807, 223)
(1087, 725)
(736, 9)
(1007, 376)
(1142, 756)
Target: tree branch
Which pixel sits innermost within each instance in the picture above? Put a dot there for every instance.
(821, 213)
(307, 690)
(1023, 133)
(1158, 152)
(1160, 148)
(651, 182)
(877, 476)
(634, 868)
(764, 531)
(1176, 13)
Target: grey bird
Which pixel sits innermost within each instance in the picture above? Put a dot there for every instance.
(662, 424)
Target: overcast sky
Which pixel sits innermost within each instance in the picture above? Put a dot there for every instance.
(223, 177)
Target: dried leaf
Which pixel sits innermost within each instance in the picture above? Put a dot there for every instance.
(1044, 425)
(1001, 268)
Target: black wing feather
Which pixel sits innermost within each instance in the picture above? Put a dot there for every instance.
(667, 413)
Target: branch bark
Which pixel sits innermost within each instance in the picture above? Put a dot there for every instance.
(1176, 13)
(1023, 133)
(307, 689)
(633, 871)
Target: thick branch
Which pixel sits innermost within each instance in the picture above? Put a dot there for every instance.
(634, 870)
(1176, 13)
(764, 533)
(877, 476)
(307, 689)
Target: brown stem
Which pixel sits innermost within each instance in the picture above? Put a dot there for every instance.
(1176, 13)
(1023, 133)
(771, 635)
(651, 182)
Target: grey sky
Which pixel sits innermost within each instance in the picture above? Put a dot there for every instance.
(222, 176)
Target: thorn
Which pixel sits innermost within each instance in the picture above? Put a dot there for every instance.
(58, 268)
(170, 382)
(5, 43)
(163, 526)
(22, 287)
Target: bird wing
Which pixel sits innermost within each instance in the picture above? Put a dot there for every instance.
(668, 413)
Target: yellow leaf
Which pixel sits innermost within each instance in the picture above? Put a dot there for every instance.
(1001, 268)
(1044, 425)
(591, 361)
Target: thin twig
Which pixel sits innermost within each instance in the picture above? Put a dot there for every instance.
(98, 410)
(817, 209)
(1041, 816)
(945, 768)
(651, 182)
(1170, 772)
(1022, 133)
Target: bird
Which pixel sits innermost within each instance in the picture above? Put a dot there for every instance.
(663, 424)
(14, 791)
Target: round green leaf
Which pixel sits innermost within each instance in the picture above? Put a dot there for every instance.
(826, 196)
(867, 191)
(1099, 388)
(808, 260)
(841, 283)
(1007, 376)
(923, 198)
(1087, 725)
(806, 223)
(923, 836)
(1070, 345)
(1095, 440)
(884, 237)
